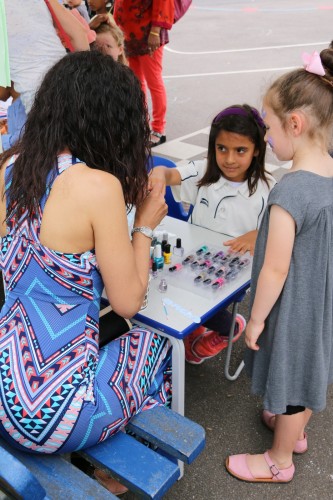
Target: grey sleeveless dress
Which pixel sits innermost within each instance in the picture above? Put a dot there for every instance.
(295, 362)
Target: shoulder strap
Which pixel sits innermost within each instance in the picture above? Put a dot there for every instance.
(8, 177)
(62, 33)
(63, 163)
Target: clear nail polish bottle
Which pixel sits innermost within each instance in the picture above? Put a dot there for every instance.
(178, 249)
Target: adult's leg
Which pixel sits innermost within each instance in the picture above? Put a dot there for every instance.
(152, 67)
(136, 67)
(133, 374)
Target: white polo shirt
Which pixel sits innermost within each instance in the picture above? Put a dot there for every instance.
(224, 207)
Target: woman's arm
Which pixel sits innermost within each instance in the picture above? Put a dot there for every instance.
(163, 14)
(124, 264)
(280, 242)
(72, 27)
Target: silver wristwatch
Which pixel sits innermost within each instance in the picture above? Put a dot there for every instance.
(145, 230)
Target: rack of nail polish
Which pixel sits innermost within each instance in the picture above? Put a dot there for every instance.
(207, 269)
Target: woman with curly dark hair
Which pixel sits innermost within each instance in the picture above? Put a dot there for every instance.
(65, 187)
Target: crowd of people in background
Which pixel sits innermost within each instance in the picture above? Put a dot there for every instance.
(40, 33)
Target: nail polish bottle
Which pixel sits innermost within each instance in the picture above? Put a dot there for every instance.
(202, 250)
(178, 249)
(158, 257)
(188, 260)
(176, 267)
(167, 254)
(154, 270)
(163, 286)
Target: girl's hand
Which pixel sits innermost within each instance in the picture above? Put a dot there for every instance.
(153, 209)
(252, 333)
(244, 243)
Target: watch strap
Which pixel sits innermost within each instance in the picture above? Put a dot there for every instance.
(145, 230)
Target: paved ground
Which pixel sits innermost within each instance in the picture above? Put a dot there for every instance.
(222, 53)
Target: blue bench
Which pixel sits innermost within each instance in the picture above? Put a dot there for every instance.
(147, 471)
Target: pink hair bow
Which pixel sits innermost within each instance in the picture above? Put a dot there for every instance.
(312, 63)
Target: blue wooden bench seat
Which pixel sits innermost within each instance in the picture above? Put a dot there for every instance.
(147, 471)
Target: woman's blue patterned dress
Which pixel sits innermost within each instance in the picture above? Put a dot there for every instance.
(58, 391)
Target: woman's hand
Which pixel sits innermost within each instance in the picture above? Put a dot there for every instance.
(157, 177)
(252, 333)
(244, 243)
(154, 40)
(153, 209)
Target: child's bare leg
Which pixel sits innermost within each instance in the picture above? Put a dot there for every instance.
(307, 415)
(287, 430)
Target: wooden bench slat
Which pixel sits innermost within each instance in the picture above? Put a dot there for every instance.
(141, 469)
(16, 479)
(173, 433)
(58, 477)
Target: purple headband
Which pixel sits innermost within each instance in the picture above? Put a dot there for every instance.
(242, 112)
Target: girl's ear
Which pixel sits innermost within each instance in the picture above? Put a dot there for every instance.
(296, 122)
(256, 152)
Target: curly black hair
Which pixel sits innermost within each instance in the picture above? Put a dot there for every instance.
(93, 106)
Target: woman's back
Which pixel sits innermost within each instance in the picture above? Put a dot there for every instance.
(51, 320)
(59, 391)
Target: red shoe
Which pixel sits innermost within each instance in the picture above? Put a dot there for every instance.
(211, 343)
(188, 341)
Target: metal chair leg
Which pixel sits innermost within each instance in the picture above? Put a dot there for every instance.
(227, 374)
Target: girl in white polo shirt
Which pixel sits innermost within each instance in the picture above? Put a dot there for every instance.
(229, 193)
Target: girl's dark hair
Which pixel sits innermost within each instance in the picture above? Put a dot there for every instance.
(245, 122)
(93, 106)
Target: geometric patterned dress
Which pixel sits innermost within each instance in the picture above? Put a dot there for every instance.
(58, 391)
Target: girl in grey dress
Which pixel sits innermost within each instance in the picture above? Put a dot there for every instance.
(290, 331)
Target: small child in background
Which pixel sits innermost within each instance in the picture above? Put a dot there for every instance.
(229, 193)
(80, 7)
(110, 41)
(290, 330)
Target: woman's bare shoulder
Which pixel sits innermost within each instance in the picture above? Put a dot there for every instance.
(99, 184)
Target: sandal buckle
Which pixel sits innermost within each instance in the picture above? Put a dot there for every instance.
(274, 470)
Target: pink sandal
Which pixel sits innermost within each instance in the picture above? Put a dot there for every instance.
(268, 419)
(237, 466)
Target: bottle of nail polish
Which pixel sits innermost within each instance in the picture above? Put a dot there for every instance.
(154, 270)
(178, 249)
(158, 257)
(167, 254)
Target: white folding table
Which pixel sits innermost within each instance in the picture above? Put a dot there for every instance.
(179, 311)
